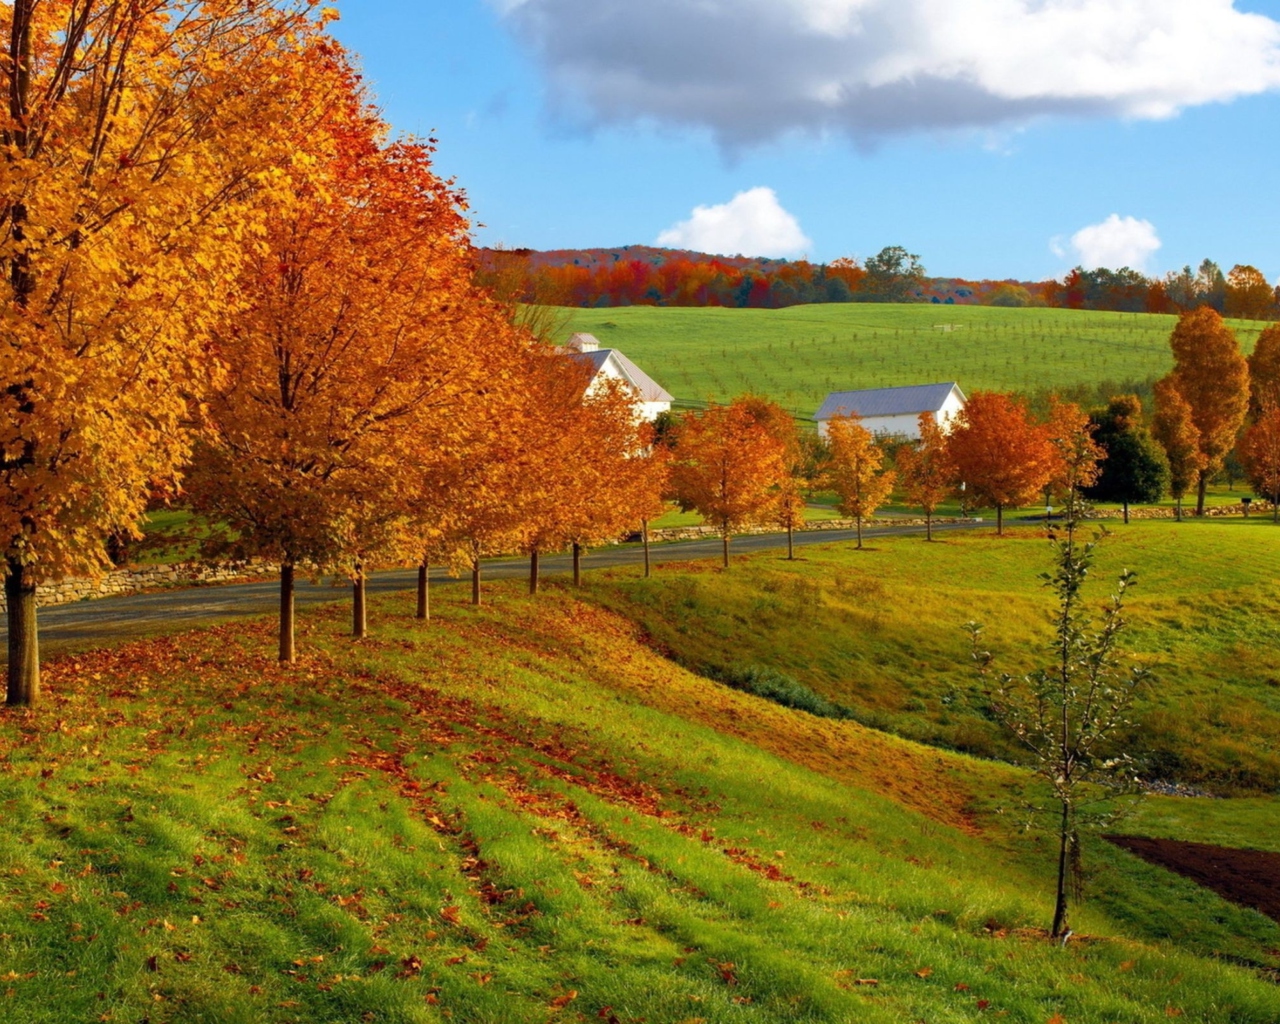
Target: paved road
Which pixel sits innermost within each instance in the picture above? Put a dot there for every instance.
(87, 624)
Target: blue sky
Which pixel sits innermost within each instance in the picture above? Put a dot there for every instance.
(581, 123)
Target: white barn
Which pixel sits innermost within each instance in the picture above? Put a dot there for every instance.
(610, 364)
(894, 411)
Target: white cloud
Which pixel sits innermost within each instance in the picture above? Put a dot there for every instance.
(753, 70)
(752, 223)
(1116, 242)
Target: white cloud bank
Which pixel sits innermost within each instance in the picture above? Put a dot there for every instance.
(752, 223)
(1116, 242)
(753, 70)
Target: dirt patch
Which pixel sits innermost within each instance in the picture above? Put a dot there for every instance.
(1250, 878)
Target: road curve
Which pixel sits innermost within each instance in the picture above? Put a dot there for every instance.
(88, 624)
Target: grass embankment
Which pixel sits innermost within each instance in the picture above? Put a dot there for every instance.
(879, 632)
(798, 355)
(524, 813)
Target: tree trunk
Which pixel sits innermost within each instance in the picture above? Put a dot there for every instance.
(359, 614)
(999, 520)
(724, 536)
(533, 571)
(288, 651)
(644, 536)
(791, 544)
(858, 520)
(928, 526)
(24, 637)
(577, 564)
(1126, 513)
(1200, 489)
(1275, 507)
(1060, 903)
(475, 582)
(424, 589)
(1177, 509)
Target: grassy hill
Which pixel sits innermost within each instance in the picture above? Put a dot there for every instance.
(798, 355)
(526, 813)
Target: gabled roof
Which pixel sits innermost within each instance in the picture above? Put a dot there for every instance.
(904, 401)
(648, 388)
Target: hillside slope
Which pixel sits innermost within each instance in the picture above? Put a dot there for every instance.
(800, 354)
(524, 813)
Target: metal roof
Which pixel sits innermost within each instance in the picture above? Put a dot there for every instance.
(648, 388)
(903, 401)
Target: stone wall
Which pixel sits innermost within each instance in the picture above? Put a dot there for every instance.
(132, 580)
(701, 532)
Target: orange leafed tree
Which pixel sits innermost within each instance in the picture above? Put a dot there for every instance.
(1264, 371)
(1249, 294)
(1174, 428)
(925, 470)
(1260, 453)
(1211, 374)
(360, 330)
(789, 501)
(727, 465)
(1077, 456)
(134, 136)
(1002, 458)
(855, 470)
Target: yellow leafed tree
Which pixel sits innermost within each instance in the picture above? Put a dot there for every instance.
(133, 137)
(855, 472)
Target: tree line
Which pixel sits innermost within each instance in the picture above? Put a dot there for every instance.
(663, 278)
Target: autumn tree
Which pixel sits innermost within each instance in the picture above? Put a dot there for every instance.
(648, 480)
(134, 137)
(1264, 371)
(1260, 453)
(855, 471)
(790, 502)
(1211, 375)
(1077, 456)
(1136, 470)
(925, 470)
(1249, 295)
(727, 466)
(1174, 429)
(1001, 457)
(358, 333)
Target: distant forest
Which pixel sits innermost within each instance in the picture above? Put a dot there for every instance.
(639, 275)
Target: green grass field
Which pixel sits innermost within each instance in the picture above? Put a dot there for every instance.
(880, 632)
(800, 354)
(526, 813)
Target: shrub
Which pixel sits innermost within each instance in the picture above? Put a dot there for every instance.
(769, 683)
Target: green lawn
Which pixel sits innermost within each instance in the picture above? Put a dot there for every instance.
(800, 354)
(880, 632)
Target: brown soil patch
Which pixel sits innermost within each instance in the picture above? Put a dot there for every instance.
(1250, 878)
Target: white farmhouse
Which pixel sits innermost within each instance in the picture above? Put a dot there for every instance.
(894, 411)
(610, 364)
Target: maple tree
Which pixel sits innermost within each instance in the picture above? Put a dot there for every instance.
(1264, 371)
(727, 465)
(359, 328)
(134, 137)
(1001, 457)
(925, 470)
(1135, 470)
(1174, 428)
(1260, 453)
(1077, 456)
(789, 499)
(855, 470)
(1211, 375)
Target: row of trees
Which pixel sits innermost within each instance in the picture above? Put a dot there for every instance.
(227, 282)
(660, 278)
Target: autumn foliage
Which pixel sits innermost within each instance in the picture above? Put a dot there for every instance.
(1001, 456)
(727, 465)
(855, 471)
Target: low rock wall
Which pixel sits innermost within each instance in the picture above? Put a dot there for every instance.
(701, 532)
(134, 579)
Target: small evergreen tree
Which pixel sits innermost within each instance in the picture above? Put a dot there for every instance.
(1136, 470)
